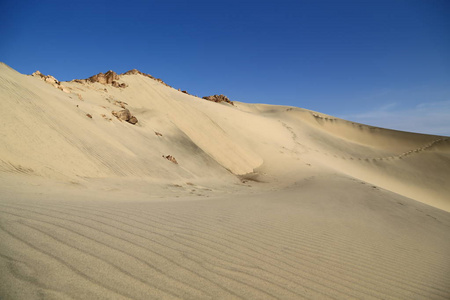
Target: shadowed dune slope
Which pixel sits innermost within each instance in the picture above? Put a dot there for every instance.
(204, 200)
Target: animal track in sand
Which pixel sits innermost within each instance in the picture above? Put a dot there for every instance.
(399, 156)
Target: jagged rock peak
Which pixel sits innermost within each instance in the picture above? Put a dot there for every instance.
(218, 99)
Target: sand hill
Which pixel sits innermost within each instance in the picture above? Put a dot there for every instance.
(121, 187)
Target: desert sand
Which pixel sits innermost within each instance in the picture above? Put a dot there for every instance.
(258, 202)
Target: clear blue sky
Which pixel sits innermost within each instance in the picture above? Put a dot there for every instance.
(386, 63)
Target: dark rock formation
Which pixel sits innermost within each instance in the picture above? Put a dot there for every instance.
(218, 99)
(125, 115)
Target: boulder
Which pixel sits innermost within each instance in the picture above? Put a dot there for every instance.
(125, 115)
(132, 120)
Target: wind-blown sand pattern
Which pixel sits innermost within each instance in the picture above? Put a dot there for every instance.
(266, 202)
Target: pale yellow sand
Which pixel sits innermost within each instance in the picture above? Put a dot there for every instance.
(322, 208)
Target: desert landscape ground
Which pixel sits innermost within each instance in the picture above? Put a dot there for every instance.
(122, 187)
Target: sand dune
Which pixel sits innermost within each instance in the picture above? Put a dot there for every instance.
(265, 201)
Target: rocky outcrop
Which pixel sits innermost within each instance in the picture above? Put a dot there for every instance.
(125, 115)
(112, 78)
(37, 73)
(51, 80)
(109, 77)
(218, 99)
(106, 78)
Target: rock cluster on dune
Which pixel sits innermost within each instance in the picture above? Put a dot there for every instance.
(218, 99)
(125, 115)
(51, 80)
(109, 77)
(105, 78)
(113, 78)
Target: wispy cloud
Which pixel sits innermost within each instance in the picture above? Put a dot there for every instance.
(430, 117)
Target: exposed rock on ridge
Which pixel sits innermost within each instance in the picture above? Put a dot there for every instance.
(112, 78)
(109, 77)
(51, 80)
(218, 99)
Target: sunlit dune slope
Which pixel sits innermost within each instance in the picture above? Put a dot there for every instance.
(71, 133)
